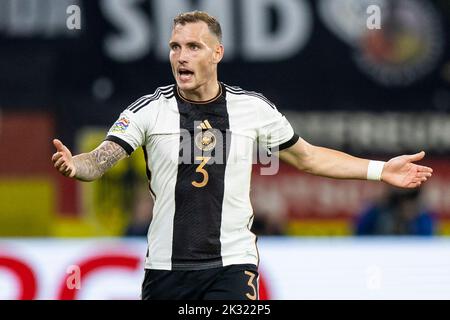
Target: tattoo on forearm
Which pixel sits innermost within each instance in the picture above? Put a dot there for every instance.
(92, 165)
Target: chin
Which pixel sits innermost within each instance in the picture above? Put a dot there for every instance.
(186, 86)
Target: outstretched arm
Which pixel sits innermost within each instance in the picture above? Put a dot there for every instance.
(399, 171)
(87, 166)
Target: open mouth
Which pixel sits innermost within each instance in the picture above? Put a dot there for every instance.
(185, 74)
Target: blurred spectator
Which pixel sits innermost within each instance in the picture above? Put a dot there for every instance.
(270, 211)
(401, 212)
(141, 215)
(266, 225)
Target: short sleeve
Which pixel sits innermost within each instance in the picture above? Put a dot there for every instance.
(275, 132)
(127, 131)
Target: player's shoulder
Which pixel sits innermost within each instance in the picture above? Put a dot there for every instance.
(254, 97)
(146, 101)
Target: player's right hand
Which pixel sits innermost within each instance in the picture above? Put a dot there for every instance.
(62, 159)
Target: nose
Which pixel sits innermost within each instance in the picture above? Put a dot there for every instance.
(182, 58)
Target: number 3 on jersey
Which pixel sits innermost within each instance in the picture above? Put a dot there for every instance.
(200, 169)
(253, 295)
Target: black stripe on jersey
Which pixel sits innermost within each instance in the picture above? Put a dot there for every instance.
(147, 98)
(253, 94)
(198, 210)
(288, 143)
(167, 89)
(234, 89)
(167, 96)
(164, 88)
(250, 93)
(145, 101)
(141, 101)
(138, 101)
(237, 90)
(148, 172)
(125, 145)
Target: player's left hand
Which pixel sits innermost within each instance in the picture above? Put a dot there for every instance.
(402, 172)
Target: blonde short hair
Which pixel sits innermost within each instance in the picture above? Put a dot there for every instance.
(196, 16)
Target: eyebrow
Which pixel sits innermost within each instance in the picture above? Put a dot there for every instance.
(194, 43)
(172, 43)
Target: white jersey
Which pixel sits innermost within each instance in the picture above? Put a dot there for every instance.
(199, 162)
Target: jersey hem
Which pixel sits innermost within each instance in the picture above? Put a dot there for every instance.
(125, 145)
(288, 143)
(194, 267)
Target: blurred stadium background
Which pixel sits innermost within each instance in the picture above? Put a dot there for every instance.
(373, 93)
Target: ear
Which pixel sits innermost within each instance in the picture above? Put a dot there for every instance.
(218, 53)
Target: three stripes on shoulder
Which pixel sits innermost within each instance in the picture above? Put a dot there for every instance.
(144, 101)
(168, 93)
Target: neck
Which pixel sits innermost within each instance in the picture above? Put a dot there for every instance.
(203, 93)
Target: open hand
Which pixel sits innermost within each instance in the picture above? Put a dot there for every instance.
(402, 172)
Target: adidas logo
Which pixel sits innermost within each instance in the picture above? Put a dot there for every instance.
(204, 125)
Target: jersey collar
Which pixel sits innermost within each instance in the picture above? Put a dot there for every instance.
(216, 98)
